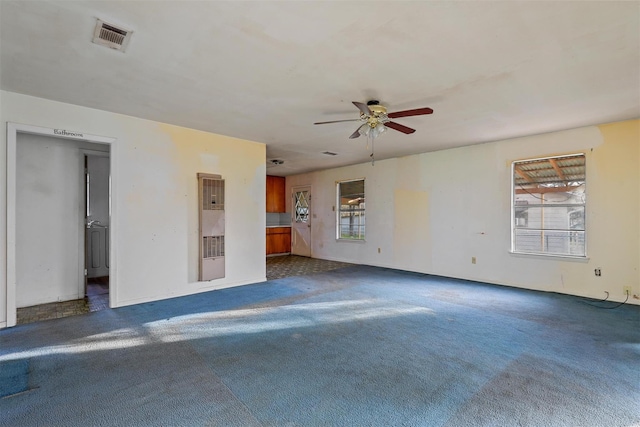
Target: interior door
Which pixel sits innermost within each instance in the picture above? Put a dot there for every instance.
(301, 221)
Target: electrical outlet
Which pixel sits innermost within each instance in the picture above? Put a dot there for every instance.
(598, 272)
(626, 290)
(473, 260)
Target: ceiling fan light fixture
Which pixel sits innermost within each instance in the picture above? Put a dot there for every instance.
(364, 130)
(378, 130)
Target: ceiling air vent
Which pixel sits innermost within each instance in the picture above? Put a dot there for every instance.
(111, 36)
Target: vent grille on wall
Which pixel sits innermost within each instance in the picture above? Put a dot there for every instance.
(212, 246)
(211, 214)
(111, 36)
(213, 194)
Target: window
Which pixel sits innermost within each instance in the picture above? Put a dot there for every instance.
(548, 209)
(351, 218)
(301, 208)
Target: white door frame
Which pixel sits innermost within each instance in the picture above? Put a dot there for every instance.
(12, 139)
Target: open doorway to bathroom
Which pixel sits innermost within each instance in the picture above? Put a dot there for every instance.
(62, 227)
(96, 248)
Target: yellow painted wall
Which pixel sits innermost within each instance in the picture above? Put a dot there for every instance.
(615, 178)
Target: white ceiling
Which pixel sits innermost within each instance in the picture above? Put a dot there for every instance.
(266, 71)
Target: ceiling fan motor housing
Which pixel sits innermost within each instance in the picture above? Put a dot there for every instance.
(376, 108)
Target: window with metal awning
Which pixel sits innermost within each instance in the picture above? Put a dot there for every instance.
(549, 206)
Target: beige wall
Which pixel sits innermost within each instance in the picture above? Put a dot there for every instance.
(156, 195)
(432, 212)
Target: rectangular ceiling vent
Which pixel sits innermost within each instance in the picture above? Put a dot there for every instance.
(111, 36)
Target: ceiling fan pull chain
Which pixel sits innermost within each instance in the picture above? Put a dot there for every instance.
(373, 160)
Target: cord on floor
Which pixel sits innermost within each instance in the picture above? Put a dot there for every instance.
(606, 308)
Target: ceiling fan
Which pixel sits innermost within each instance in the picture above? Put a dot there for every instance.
(376, 119)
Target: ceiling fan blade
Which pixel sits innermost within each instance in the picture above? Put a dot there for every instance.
(362, 107)
(407, 113)
(356, 134)
(337, 121)
(399, 127)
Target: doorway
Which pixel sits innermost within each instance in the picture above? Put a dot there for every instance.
(301, 221)
(46, 216)
(96, 222)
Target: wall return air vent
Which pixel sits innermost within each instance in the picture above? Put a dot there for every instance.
(111, 36)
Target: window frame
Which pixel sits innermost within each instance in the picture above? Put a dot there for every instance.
(361, 210)
(583, 205)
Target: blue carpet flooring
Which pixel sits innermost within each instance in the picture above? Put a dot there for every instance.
(358, 346)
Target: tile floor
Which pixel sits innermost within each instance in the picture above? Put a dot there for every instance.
(97, 297)
(293, 265)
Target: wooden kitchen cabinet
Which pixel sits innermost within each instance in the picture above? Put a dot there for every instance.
(278, 240)
(275, 194)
